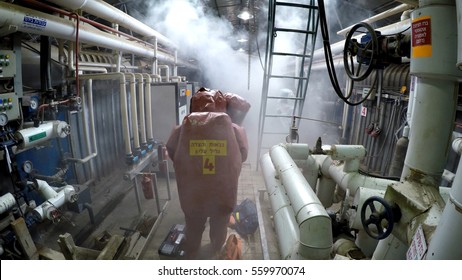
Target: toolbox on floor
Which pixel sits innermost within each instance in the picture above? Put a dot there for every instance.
(171, 247)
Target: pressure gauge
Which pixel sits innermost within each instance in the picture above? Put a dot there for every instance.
(33, 104)
(27, 166)
(3, 119)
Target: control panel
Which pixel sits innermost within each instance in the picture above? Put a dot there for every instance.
(9, 107)
(7, 64)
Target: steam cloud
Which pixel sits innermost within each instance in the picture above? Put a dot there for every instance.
(209, 40)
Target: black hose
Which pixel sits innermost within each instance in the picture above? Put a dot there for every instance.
(330, 61)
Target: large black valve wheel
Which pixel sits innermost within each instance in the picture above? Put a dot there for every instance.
(366, 55)
(382, 217)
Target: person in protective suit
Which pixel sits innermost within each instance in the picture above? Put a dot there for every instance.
(207, 151)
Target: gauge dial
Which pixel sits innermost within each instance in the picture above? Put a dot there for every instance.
(27, 166)
(3, 119)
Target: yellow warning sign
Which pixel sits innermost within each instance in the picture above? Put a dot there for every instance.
(208, 148)
(422, 37)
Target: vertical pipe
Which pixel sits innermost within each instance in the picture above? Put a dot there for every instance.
(431, 130)
(142, 114)
(147, 103)
(134, 113)
(446, 242)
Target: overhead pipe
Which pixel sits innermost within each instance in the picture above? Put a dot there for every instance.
(123, 108)
(142, 114)
(50, 25)
(110, 13)
(313, 220)
(92, 127)
(393, 11)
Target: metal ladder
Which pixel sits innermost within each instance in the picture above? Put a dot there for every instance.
(284, 91)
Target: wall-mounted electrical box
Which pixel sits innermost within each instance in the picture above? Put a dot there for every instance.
(7, 64)
(9, 107)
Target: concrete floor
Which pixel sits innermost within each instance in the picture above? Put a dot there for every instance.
(250, 182)
(124, 217)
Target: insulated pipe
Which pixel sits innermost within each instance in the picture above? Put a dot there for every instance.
(134, 112)
(54, 200)
(50, 25)
(313, 220)
(287, 230)
(430, 132)
(108, 12)
(446, 242)
(123, 105)
(459, 31)
(71, 63)
(147, 99)
(393, 11)
(167, 72)
(351, 181)
(141, 108)
(92, 126)
(7, 201)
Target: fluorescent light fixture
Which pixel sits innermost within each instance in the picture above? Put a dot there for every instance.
(242, 40)
(241, 50)
(245, 14)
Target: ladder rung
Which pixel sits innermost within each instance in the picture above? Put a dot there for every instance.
(284, 97)
(288, 77)
(276, 133)
(286, 4)
(291, 54)
(279, 116)
(294, 30)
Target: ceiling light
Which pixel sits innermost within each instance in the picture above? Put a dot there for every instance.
(245, 14)
(242, 40)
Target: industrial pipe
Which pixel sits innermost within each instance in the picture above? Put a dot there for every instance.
(313, 220)
(7, 201)
(142, 115)
(351, 181)
(147, 98)
(446, 243)
(92, 127)
(167, 72)
(34, 136)
(377, 17)
(123, 106)
(87, 67)
(54, 200)
(286, 226)
(35, 22)
(108, 12)
(134, 113)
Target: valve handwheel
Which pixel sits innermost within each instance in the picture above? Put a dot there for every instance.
(368, 55)
(387, 213)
